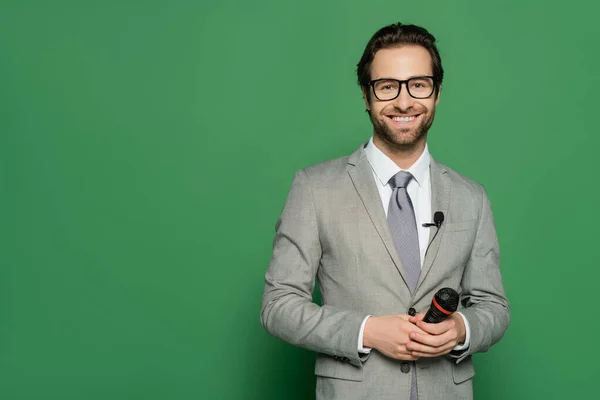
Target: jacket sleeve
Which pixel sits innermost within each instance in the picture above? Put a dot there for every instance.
(486, 307)
(288, 311)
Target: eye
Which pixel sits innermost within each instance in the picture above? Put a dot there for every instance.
(421, 83)
(386, 86)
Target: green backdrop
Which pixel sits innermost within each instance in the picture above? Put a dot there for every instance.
(146, 149)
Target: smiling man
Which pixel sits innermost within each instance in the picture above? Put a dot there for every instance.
(401, 118)
(362, 226)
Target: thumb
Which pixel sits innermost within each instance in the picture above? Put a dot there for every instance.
(417, 318)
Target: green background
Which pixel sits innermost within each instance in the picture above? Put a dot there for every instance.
(146, 150)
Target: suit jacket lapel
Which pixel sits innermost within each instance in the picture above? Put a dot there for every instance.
(440, 201)
(361, 175)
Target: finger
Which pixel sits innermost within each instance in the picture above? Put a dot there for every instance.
(423, 350)
(416, 318)
(403, 354)
(434, 329)
(425, 344)
(437, 329)
(448, 337)
(415, 328)
(409, 327)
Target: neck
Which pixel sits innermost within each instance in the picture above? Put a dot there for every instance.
(404, 156)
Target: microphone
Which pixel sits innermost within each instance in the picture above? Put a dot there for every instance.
(444, 303)
(438, 218)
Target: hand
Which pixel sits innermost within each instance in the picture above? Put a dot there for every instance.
(389, 335)
(438, 339)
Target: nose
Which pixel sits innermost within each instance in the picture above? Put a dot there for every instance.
(403, 101)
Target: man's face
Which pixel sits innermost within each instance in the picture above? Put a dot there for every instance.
(401, 63)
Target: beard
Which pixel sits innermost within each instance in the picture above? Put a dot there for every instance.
(403, 138)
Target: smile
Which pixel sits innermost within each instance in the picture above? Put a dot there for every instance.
(403, 120)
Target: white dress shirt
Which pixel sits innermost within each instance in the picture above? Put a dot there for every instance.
(419, 190)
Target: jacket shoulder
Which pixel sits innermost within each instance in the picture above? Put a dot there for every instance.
(462, 181)
(327, 170)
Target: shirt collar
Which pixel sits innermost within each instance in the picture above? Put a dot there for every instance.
(385, 168)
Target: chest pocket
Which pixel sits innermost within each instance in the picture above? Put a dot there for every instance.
(461, 226)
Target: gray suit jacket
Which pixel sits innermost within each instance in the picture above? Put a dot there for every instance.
(333, 228)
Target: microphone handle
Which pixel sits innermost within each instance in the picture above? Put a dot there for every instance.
(434, 316)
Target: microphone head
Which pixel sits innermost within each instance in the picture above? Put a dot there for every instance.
(438, 217)
(443, 304)
(447, 298)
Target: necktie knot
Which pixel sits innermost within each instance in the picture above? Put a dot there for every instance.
(400, 180)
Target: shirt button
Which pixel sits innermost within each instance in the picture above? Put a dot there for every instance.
(405, 367)
(412, 312)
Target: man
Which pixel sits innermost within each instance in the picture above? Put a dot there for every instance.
(362, 225)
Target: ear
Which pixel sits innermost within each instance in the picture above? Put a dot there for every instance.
(437, 97)
(366, 99)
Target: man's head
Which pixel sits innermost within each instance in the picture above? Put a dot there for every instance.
(401, 112)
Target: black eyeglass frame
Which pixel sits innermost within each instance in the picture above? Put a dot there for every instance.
(433, 78)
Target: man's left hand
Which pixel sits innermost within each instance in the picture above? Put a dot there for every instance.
(440, 338)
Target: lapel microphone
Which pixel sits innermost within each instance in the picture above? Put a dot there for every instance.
(438, 218)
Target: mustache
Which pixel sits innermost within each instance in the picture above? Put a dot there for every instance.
(409, 111)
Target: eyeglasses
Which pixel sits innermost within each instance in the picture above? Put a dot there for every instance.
(419, 87)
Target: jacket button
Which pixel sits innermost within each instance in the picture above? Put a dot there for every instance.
(412, 312)
(405, 367)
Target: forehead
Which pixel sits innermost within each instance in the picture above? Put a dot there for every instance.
(401, 63)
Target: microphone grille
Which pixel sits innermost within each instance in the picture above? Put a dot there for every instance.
(447, 298)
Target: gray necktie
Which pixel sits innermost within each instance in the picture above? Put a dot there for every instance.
(403, 226)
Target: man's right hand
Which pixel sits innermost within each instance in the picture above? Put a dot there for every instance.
(389, 334)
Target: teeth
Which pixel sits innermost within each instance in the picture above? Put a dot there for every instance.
(403, 119)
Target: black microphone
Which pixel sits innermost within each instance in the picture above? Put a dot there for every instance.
(438, 218)
(444, 304)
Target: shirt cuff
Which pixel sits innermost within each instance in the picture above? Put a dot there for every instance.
(361, 349)
(467, 342)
